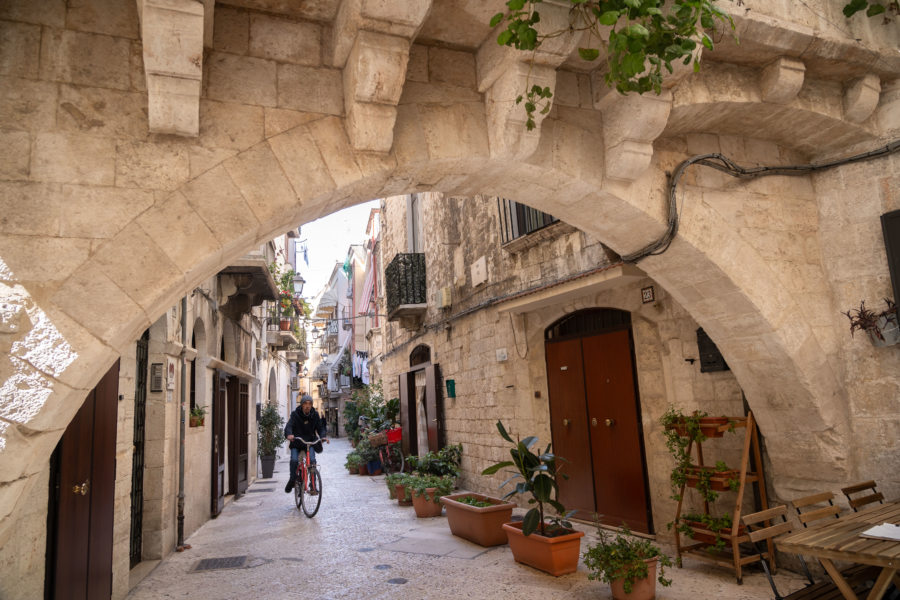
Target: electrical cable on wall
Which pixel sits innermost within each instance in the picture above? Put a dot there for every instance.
(726, 165)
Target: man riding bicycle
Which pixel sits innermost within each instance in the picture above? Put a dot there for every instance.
(304, 424)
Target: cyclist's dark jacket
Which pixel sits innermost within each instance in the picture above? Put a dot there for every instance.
(305, 427)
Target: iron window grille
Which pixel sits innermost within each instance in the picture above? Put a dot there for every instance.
(405, 281)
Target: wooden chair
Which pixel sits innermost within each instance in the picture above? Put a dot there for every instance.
(766, 525)
(814, 513)
(873, 495)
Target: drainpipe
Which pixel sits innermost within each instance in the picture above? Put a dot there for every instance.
(180, 546)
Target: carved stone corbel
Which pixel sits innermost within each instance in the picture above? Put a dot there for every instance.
(861, 97)
(371, 43)
(781, 80)
(172, 32)
(630, 126)
(505, 73)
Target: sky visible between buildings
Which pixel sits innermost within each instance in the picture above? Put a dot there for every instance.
(326, 241)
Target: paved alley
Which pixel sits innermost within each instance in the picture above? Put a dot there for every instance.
(362, 545)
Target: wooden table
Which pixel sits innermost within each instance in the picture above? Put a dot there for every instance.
(839, 540)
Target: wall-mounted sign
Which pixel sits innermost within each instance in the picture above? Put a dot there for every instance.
(170, 373)
(647, 294)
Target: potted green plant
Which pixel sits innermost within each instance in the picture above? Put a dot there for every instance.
(198, 416)
(631, 566)
(426, 493)
(270, 436)
(707, 529)
(391, 480)
(881, 327)
(352, 463)
(546, 543)
(404, 495)
(478, 518)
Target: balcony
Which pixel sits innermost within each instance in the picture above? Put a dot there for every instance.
(247, 282)
(405, 289)
(280, 334)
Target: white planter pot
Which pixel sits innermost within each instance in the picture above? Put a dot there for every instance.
(889, 329)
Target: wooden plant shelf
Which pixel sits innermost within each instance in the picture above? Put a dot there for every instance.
(730, 557)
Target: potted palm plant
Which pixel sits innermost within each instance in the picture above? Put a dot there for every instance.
(270, 436)
(628, 564)
(545, 542)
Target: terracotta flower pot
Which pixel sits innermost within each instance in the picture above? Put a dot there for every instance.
(362, 469)
(482, 525)
(718, 481)
(392, 492)
(709, 426)
(641, 589)
(555, 555)
(425, 506)
(402, 498)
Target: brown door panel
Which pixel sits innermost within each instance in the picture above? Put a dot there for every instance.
(434, 412)
(619, 481)
(407, 384)
(569, 426)
(220, 395)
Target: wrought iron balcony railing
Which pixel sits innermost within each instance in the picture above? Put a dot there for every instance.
(405, 286)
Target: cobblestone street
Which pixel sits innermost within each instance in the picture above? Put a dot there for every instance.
(362, 545)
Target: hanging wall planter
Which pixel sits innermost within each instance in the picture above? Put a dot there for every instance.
(882, 327)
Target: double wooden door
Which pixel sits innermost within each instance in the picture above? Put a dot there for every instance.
(82, 486)
(230, 440)
(434, 409)
(595, 424)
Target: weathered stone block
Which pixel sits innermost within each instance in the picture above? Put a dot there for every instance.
(452, 66)
(20, 49)
(26, 104)
(15, 151)
(80, 206)
(219, 203)
(302, 161)
(146, 275)
(204, 159)
(41, 12)
(151, 165)
(417, 68)
(309, 89)
(286, 41)
(173, 104)
(231, 32)
(282, 119)
(86, 59)
(228, 125)
(103, 112)
(261, 180)
(73, 158)
(110, 17)
(332, 141)
(242, 79)
(180, 232)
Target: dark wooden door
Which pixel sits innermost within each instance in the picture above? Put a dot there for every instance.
(220, 398)
(83, 486)
(615, 431)
(237, 406)
(569, 425)
(137, 450)
(434, 406)
(407, 385)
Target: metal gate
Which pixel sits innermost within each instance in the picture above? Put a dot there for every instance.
(137, 456)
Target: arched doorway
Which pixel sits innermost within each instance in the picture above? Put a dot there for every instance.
(595, 417)
(421, 404)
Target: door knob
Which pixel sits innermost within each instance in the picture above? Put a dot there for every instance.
(593, 422)
(566, 422)
(610, 422)
(81, 489)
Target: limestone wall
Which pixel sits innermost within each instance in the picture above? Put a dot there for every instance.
(458, 232)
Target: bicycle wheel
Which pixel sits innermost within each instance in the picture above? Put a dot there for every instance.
(298, 497)
(392, 458)
(311, 502)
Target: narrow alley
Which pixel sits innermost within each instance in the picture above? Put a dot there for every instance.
(362, 545)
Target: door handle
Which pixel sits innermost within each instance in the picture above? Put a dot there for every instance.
(566, 422)
(593, 422)
(82, 489)
(610, 422)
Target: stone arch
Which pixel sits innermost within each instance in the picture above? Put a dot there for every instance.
(420, 355)
(103, 302)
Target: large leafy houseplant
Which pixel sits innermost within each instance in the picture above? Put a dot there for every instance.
(624, 558)
(536, 475)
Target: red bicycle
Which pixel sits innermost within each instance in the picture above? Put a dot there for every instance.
(391, 454)
(308, 483)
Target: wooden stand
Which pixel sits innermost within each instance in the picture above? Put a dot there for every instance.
(731, 557)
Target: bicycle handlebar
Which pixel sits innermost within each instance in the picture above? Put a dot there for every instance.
(308, 444)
